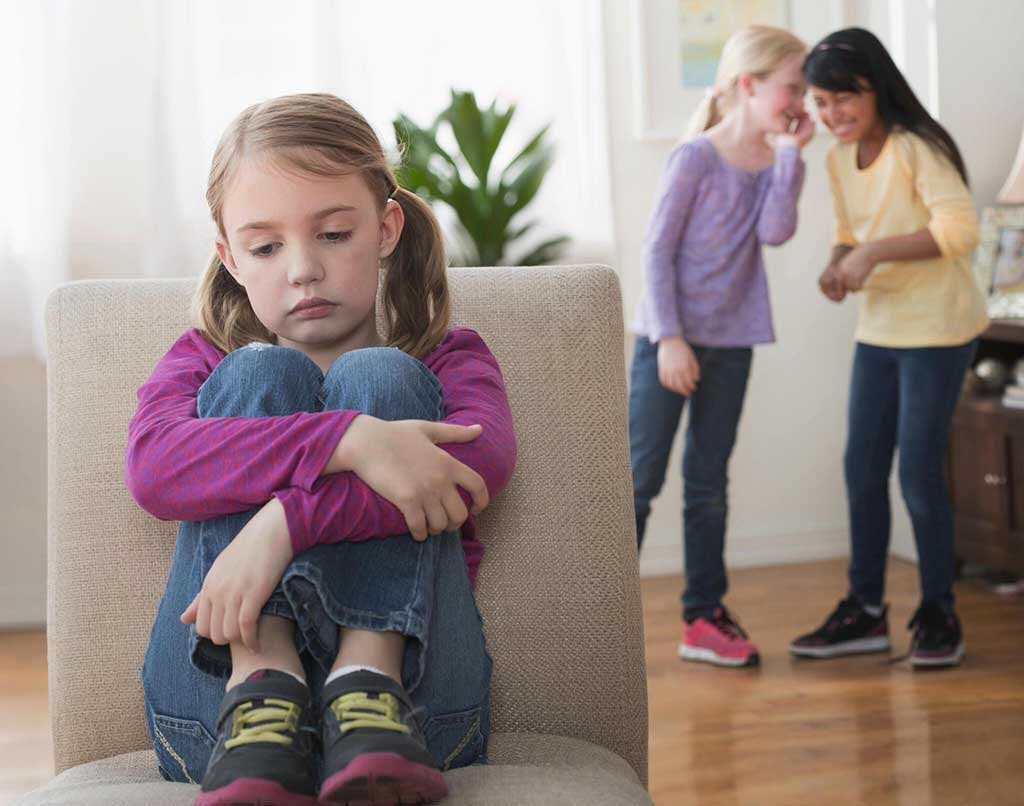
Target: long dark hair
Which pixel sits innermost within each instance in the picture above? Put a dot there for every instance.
(844, 60)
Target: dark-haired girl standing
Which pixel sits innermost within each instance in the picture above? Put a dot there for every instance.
(905, 229)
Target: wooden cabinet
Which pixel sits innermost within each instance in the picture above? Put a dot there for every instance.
(986, 465)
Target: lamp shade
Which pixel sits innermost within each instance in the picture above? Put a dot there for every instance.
(1013, 188)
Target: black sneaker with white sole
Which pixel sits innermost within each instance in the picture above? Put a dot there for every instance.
(849, 630)
(938, 639)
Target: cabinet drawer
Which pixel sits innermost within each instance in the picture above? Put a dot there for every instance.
(978, 475)
(993, 548)
(1015, 482)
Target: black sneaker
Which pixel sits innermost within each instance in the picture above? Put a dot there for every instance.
(850, 630)
(938, 639)
(374, 752)
(263, 755)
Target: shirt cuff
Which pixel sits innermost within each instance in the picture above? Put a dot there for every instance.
(321, 449)
(953, 239)
(298, 530)
(789, 155)
(657, 334)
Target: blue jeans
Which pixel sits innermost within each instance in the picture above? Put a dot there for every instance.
(904, 398)
(418, 589)
(654, 414)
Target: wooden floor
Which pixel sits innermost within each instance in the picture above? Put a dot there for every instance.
(26, 759)
(848, 731)
(851, 731)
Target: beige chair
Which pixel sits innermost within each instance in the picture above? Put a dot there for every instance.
(558, 589)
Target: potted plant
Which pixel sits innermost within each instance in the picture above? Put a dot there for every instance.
(486, 199)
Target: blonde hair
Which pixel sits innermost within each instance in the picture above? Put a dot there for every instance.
(322, 135)
(755, 50)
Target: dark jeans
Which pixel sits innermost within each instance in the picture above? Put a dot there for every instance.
(902, 398)
(654, 414)
(418, 589)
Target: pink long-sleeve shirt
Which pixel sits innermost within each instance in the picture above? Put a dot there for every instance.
(179, 466)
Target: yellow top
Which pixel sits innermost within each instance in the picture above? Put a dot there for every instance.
(910, 186)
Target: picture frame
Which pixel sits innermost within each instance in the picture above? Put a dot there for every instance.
(999, 260)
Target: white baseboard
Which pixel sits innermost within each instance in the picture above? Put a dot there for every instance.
(902, 546)
(743, 550)
(751, 549)
(22, 606)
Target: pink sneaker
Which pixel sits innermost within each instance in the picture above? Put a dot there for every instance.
(720, 641)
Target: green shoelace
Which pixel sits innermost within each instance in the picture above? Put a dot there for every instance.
(272, 722)
(359, 710)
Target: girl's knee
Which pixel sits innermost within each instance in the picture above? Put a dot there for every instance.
(383, 382)
(860, 475)
(261, 380)
(268, 361)
(376, 364)
(923, 488)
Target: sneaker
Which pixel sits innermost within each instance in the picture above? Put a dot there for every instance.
(374, 752)
(938, 639)
(718, 640)
(262, 755)
(850, 630)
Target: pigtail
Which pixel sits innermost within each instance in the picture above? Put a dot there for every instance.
(704, 117)
(221, 309)
(417, 309)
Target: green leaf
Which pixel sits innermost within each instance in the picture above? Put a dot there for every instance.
(467, 122)
(533, 147)
(519, 232)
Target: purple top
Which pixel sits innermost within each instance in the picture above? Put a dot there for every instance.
(181, 467)
(705, 278)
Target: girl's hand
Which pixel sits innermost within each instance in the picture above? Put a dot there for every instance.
(831, 284)
(401, 462)
(799, 136)
(855, 266)
(678, 369)
(241, 580)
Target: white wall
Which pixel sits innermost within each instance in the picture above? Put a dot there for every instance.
(981, 95)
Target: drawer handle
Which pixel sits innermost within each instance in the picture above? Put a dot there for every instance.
(992, 480)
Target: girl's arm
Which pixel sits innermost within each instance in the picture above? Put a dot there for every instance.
(920, 245)
(777, 221)
(831, 280)
(342, 507)
(182, 467)
(953, 222)
(952, 229)
(843, 242)
(661, 246)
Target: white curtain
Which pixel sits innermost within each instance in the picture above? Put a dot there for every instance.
(35, 174)
(118, 104)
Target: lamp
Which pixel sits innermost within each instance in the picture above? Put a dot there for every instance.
(1013, 188)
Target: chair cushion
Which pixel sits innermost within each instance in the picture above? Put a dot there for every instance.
(525, 770)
